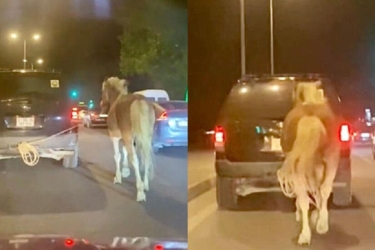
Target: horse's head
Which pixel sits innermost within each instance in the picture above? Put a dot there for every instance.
(308, 93)
(112, 87)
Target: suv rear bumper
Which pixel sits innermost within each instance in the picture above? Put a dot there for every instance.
(53, 147)
(225, 168)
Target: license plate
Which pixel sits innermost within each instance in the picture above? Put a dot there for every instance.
(365, 135)
(182, 123)
(275, 144)
(25, 122)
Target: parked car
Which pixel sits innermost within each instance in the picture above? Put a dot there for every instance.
(171, 126)
(362, 134)
(94, 118)
(252, 115)
(34, 106)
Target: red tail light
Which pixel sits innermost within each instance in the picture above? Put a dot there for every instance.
(344, 133)
(163, 116)
(69, 242)
(219, 134)
(74, 114)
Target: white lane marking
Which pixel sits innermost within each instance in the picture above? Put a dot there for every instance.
(201, 207)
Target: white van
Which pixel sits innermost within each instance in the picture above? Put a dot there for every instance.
(155, 95)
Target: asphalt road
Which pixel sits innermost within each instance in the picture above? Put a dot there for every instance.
(269, 222)
(84, 202)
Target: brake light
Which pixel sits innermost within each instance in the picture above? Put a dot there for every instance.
(74, 114)
(219, 134)
(69, 242)
(344, 133)
(75, 109)
(163, 116)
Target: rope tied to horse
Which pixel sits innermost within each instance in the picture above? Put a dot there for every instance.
(29, 153)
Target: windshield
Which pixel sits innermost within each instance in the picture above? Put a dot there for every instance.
(31, 85)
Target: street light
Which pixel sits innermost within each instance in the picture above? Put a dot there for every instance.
(36, 37)
(39, 61)
(243, 33)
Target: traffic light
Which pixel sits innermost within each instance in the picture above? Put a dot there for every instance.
(74, 94)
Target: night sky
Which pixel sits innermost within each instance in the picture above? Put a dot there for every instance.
(336, 38)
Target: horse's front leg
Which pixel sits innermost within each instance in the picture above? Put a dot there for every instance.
(117, 157)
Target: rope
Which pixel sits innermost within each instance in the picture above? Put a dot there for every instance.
(29, 152)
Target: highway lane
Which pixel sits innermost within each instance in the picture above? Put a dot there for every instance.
(269, 222)
(85, 203)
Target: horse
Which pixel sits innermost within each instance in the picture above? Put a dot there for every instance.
(131, 118)
(312, 152)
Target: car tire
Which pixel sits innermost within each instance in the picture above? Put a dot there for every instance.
(342, 196)
(226, 196)
(156, 149)
(71, 161)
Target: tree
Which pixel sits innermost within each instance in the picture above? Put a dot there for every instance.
(156, 46)
(139, 49)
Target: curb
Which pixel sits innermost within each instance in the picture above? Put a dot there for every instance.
(197, 189)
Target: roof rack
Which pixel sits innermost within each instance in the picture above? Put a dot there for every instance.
(291, 76)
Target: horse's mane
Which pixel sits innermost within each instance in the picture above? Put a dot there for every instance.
(118, 84)
(309, 93)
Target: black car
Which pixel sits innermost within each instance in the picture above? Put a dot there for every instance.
(35, 108)
(252, 115)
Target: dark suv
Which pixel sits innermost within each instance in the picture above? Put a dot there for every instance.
(254, 112)
(34, 107)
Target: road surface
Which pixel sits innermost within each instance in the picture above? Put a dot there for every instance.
(85, 203)
(269, 223)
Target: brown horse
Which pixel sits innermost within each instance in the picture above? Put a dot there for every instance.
(130, 118)
(312, 149)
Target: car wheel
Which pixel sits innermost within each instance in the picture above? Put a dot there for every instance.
(226, 196)
(156, 149)
(71, 161)
(342, 195)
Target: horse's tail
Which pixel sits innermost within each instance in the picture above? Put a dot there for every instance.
(301, 163)
(158, 109)
(142, 117)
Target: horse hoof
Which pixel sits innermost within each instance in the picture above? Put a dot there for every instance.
(322, 227)
(116, 180)
(304, 239)
(145, 186)
(141, 196)
(125, 172)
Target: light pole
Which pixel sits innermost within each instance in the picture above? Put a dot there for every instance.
(272, 39)
(36, 37)
(243, 35)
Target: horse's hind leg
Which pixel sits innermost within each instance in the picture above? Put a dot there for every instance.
(117, 156)
(125, 166)
(303, 203)
(298, 211)
(128, 143)
(322, 225)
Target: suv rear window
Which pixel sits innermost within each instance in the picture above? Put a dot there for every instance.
(265, 100)
(258, 100)
(40, 85)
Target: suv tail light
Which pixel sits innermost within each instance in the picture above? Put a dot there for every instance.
(344, 133)
(163, 116)
(74, 115)
(219, 135)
